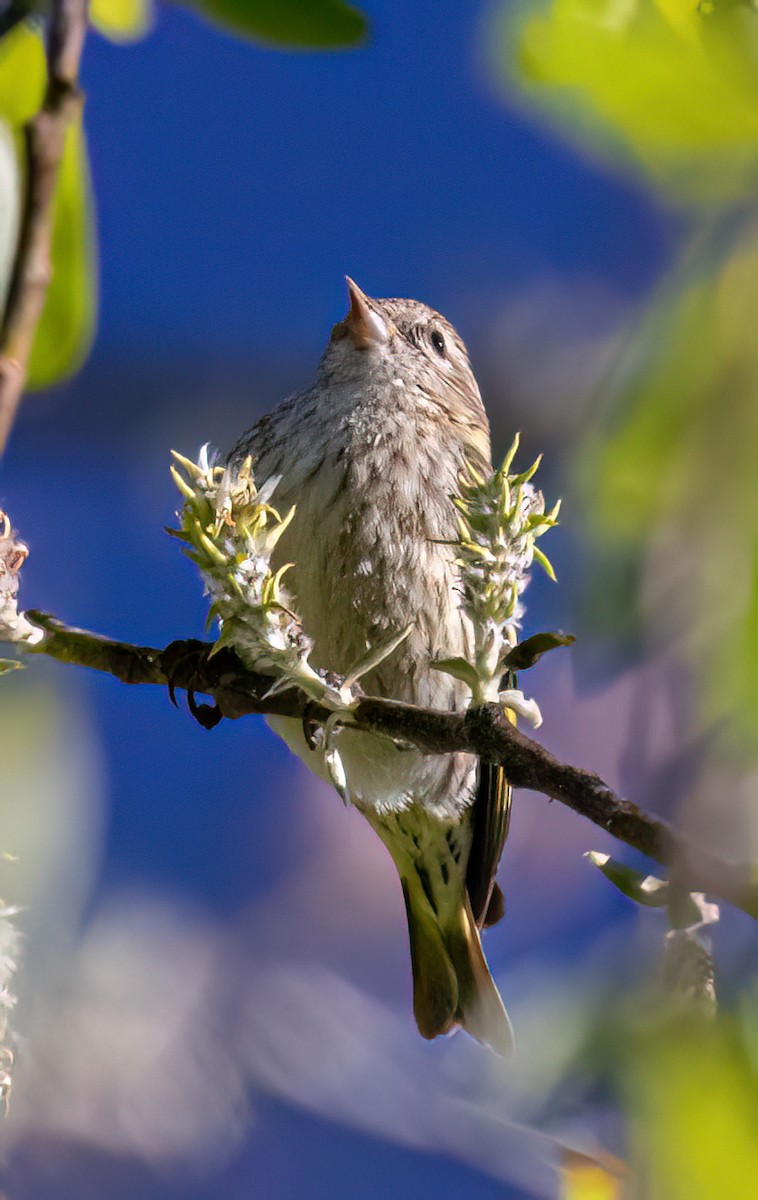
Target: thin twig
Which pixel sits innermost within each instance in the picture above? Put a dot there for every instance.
(45, 137)
(483, 731)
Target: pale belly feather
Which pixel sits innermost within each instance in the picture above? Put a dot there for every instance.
(365, 544)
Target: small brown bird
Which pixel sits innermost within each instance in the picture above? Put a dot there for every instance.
(371, 455)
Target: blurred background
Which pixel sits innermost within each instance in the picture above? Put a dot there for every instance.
(214, 996)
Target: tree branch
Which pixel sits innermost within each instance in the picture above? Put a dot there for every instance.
(484, 731)
(45, 139)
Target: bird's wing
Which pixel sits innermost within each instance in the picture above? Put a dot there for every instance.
(491, 816)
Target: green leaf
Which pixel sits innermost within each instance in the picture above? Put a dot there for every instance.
(22, 75)
(295, 24)
(528, 652)
(66, 327)
(459, 668)
(10, 664)
(511, 454)
(669, 483)
(541, 558)
(665, 83)
(643, 889)
(376, 655)
(692, 1103)
(122, 20)
(684, 908)
(10, 207)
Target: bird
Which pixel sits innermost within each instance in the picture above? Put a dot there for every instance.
(370, 456)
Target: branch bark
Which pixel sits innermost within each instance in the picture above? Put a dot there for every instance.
(45, 139)
(483, 731)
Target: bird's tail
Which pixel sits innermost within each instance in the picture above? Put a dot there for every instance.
(452, 985)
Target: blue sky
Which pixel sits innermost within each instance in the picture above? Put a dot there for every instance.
(237, 185)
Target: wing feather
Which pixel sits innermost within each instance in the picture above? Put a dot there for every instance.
(491, 817)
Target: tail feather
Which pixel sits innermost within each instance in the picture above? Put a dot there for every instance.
(435, 982)
(452, 984)
(481, 1011)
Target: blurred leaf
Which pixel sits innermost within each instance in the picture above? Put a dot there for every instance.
(65, 329)
(583, 1178)
(610, 583)
(693, 1099)
(668, 83)
(10, 664)
(122, 20)
(10, 204)
(22, 75)
(298, 24)
(64, 333)
(530, 651)
(674, 480)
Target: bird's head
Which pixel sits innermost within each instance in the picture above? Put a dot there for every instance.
(407, 343)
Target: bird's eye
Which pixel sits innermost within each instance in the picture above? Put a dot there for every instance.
(438, 341)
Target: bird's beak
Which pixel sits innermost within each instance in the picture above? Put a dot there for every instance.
(364, 326)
